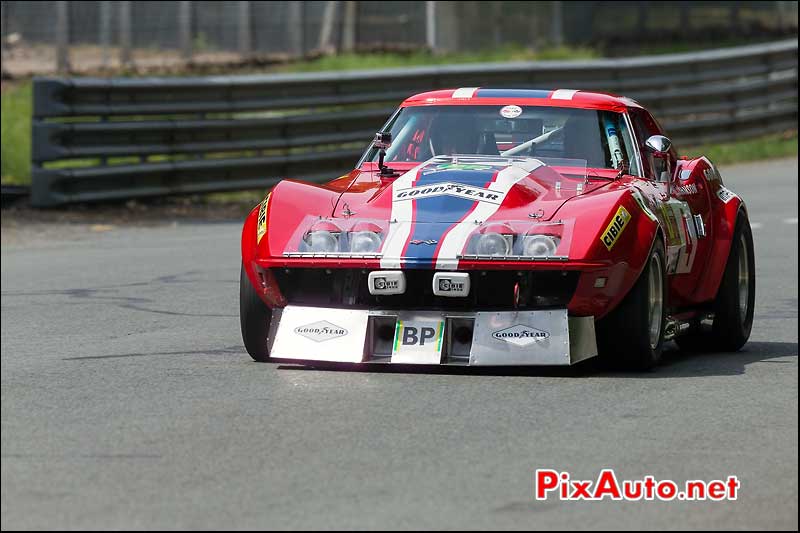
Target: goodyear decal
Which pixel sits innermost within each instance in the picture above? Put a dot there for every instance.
(616, 227)
(456, 190)
(262, 220)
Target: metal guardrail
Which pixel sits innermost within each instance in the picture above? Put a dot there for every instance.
(104, 139)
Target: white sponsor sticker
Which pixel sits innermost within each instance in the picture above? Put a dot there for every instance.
(321, 331)
(726, 195)
(450, 189)
(520, 335)
(418, 342)
(686, 190)
(511, 111)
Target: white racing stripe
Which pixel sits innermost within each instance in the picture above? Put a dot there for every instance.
(563, 94)
(399, 222)
(455, 240)
(464, 92)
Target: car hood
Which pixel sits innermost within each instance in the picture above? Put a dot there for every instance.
(450, 190)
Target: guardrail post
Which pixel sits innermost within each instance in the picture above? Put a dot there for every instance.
(349, 26)
(430, 25)
(125, 39)
(324, 44)
(62, 36)
(295, 27)
(185, 29)
(105, 31)
(556, 24)
(243, 27)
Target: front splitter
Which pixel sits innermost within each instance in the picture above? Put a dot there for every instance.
(482, 338)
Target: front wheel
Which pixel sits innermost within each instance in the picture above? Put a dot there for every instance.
(735, 301)
(255, 318)
(632, 335)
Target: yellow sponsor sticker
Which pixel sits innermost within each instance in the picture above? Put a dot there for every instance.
(262, 220)
(616, 227)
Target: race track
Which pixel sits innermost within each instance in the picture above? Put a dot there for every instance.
(128, 402)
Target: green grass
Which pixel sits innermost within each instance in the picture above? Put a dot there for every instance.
(15, 115)
(378, 60)
(767, 147)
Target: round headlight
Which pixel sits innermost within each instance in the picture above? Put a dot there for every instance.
(322, 241)
(493, 244)
(364, 242)
(539, 245)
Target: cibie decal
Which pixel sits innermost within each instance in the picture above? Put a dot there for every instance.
(262, 220)
(521, 335)
(321, 331)
(615, 227)
(726, 195)
(383, 284)
(450, 189)
(511, 111)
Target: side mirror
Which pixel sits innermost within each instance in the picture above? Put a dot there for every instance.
(659, 147)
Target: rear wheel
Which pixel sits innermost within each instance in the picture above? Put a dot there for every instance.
(254, 317)
(735, 301)
(632, 335)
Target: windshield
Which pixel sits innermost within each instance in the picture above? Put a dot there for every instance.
(601, 138)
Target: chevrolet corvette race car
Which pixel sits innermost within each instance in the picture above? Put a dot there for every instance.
(502, 227)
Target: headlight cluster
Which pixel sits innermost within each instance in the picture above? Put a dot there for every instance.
(356, 242)
(496, 244)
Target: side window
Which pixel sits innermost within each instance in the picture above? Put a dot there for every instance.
(631, 153)
(644, 128)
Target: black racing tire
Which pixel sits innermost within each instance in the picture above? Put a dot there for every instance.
(735, 301)
(627, 337)
(254, 317)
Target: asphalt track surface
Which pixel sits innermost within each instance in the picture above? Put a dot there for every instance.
(129, 402)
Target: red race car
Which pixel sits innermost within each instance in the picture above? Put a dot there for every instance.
(502, 227)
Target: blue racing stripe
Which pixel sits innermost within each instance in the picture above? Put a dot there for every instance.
(512, 93)
(434, 216)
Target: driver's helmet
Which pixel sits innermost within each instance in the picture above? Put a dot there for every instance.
(454, 133)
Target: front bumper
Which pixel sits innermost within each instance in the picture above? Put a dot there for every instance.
(482, 338)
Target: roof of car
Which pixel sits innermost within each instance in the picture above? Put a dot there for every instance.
(537, 97)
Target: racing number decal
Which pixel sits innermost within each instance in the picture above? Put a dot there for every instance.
(616, 227)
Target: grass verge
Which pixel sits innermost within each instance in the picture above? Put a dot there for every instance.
(766, 147)
(15, 122)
